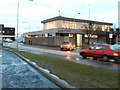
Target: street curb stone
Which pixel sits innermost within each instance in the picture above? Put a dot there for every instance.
(57, 81)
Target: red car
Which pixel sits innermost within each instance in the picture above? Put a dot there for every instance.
(102, 51)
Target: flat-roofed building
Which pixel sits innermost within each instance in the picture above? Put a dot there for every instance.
(7, 32)
(63, 29)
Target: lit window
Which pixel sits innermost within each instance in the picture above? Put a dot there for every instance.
(103, 28)
(70, 35)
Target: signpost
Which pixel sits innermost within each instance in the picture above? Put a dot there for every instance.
(110, 35)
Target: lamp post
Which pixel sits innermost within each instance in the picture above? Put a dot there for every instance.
(89, 9)
(28, 27)
(18, 21)
(74, 19)
(75, 27)
(89, 25)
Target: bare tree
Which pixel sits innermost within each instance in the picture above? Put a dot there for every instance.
(89, 31)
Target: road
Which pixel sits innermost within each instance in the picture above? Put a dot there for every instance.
(18, 74)
(67, 55)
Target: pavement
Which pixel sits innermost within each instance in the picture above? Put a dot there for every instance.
(18, 74)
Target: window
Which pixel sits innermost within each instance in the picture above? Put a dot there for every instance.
(8, 32)
(115, 47)
(100, 48)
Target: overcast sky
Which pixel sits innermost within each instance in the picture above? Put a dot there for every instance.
(33, 12)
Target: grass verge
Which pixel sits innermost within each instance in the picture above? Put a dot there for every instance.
(78, 75)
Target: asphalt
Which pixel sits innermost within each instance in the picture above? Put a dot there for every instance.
(69, 55)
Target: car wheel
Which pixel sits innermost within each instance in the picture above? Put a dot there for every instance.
(94, 58)
(83, 55)
(105, 58)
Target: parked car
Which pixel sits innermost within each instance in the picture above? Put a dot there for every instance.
(118, 43)
(102, 51)
(8, 40)
(67, 46)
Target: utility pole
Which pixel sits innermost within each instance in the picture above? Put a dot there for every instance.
(74, 36)
(88, 32)
(17, 22)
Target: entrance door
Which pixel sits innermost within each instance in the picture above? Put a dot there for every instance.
(79, 40)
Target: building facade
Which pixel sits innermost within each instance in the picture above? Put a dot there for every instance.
(7, 32)
(63, 29)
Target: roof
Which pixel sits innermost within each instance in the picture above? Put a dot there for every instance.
(73, 19)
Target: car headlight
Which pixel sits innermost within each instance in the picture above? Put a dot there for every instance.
(115, 54)
(68, 46)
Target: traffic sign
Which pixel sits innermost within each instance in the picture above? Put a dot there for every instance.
(111, 34)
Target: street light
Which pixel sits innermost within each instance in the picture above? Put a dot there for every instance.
(89, 9)
(74, 19)
(28, 27)
(75, 27)
(89, 25)
(18, 21)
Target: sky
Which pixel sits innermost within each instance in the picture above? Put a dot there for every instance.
(33, 12)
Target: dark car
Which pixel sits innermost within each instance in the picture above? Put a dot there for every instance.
(102, 51)
(67, 46)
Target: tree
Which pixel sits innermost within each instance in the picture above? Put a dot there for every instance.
(89, 31)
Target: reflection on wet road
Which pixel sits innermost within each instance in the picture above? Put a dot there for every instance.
(18, 74)
(67, 55)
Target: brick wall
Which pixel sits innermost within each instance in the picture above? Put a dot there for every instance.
(49, 41)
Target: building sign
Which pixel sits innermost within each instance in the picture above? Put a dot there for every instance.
(91, 36)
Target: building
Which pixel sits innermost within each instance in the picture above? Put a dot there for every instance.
(7, 32)
(119, 14)
(63, 29)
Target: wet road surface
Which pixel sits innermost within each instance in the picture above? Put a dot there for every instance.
(67, 55)
(18, 74)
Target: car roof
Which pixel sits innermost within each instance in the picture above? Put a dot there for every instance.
(102, 45)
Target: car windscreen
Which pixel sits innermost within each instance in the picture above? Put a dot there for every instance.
(65, 43)
(115, 47)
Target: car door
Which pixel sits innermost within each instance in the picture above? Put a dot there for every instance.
(99, 51)
(91, 51)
